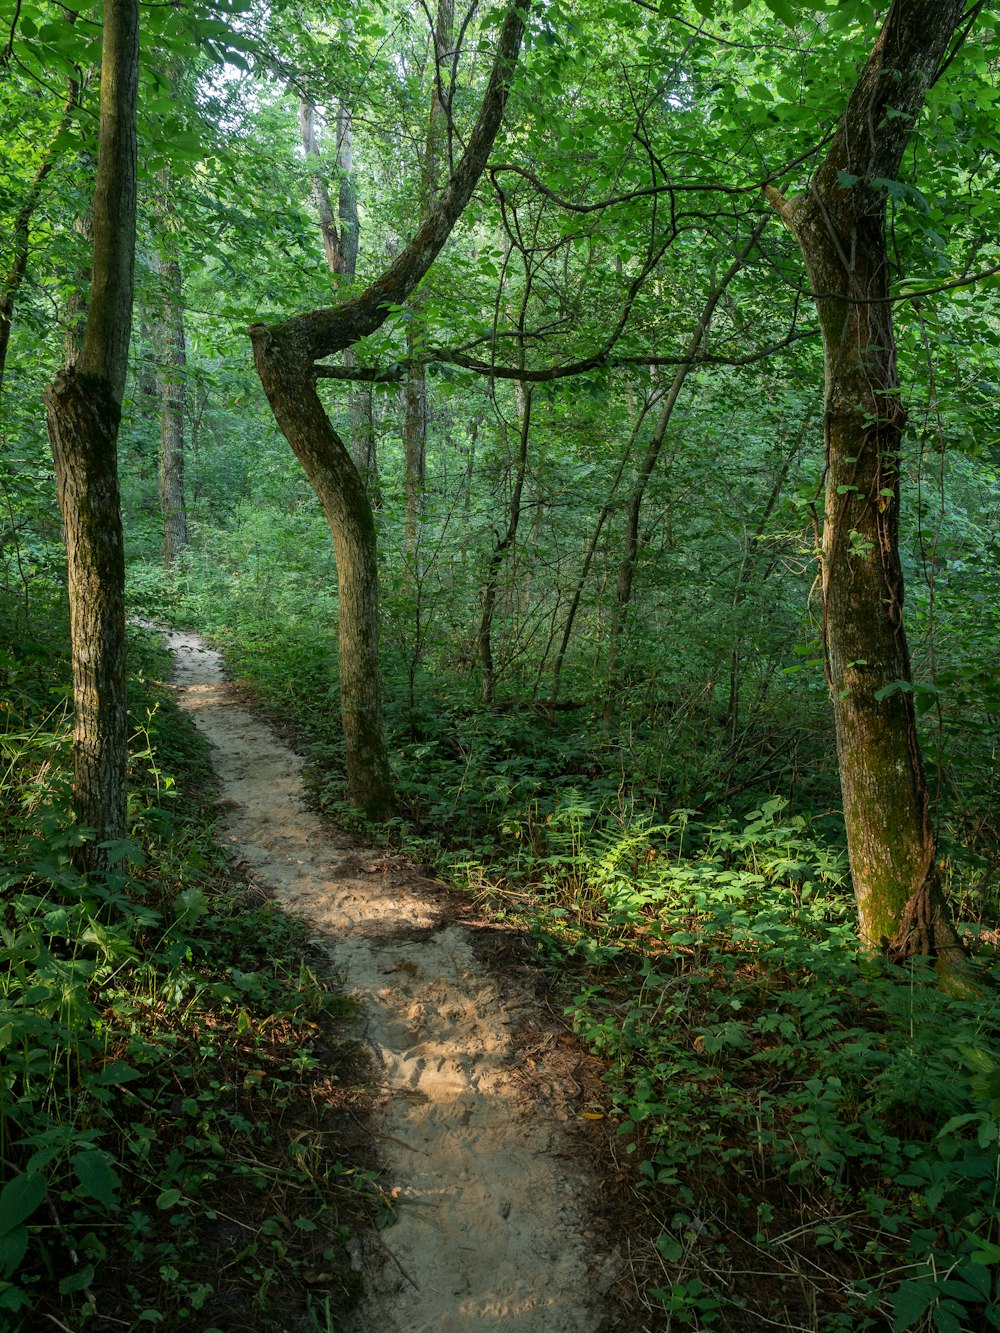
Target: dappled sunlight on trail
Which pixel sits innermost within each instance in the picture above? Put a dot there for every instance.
(493, 1224)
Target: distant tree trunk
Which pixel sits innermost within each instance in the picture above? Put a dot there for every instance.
(744, 575)
(626, 570)
(286, 357)
(415, 413)
(171, 365)
(75, 311)
(840, 225)
(340, 245)
(321, 194)
(591, 551)
(504, 543)
(84, 409)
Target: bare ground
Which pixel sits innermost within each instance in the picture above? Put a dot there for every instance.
(497, 1220)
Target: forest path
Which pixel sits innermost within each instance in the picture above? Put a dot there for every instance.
(494, 1224)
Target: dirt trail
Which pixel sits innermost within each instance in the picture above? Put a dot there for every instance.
(494, 1225)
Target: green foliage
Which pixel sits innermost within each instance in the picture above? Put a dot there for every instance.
(159, 1025)
(789, 1106)
(784, 1097)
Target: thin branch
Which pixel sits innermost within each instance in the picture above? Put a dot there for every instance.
(689, 187)
(597, 361)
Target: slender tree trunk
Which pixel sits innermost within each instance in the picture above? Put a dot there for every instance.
(340, 245)
(171, 365)
(286, 357)
(751, 541)
(840, 224)
(320, 191)
(591, 551)
(626, 570)
(75, 312)
(414, 449)
(84, 409)
(416, 412)
(504, 544)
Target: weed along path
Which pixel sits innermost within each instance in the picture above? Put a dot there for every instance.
(494, 1226)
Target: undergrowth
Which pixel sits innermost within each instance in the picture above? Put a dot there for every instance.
(179, 1136)
(813, 1134)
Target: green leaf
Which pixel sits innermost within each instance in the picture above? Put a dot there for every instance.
(911, 1302)
(894, 687)
(77, 1281)
(783, 10)
(986, 1252)
(12, 1247)
(19, 1199)
(97, 1177)
(847, 179)
(116, 1073)
(168, 1198)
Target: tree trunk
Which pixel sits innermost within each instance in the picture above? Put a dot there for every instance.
(591, 551)
(340, 245)
(840, 224)
(84, 409)
(171, 364)
(504, 544)
(286, 355)
(321, 194)
(415, 393)
(414, 450)
(626, 570)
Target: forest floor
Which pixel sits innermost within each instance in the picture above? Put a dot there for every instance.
(488, 1116)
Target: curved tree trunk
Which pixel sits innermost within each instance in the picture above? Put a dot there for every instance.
(84, 409)
(286, 355)
(840, 225)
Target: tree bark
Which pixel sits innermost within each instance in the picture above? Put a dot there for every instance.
(840, 225)
(84, 409)
(321, 194)
(285, 355)
(340, 245)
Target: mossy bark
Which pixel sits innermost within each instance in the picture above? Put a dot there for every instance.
(840, 224)
(84, 408)
(83, 428)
